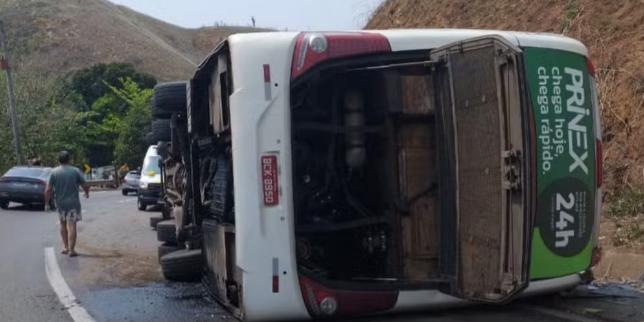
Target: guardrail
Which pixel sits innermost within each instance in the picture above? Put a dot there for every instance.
(104, 184)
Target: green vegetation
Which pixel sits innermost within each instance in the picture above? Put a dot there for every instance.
(45, 121)
(626, 202)
(93, 83)
(100, 114)
(570, 13)
(627, 234)
(131, 144)
(625, 208)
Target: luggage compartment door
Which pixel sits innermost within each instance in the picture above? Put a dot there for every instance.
(485, 224)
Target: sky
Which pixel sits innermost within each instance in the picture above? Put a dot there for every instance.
(292, 15)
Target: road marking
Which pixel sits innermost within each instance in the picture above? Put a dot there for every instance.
(64, 293)
(126, 200)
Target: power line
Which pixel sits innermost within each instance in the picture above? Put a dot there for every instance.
(4, 64)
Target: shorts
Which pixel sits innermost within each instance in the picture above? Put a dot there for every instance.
(72, 216)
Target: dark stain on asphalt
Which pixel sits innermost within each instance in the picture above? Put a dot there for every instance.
(155, 302)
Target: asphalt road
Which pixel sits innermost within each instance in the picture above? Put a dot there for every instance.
(25, 294)
(117, 278)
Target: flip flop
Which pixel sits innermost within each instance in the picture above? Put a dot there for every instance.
(73, 254)
(64, 252)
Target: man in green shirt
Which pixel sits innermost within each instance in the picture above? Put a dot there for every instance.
(63, 183)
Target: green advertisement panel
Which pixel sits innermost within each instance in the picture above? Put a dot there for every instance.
(559, 87)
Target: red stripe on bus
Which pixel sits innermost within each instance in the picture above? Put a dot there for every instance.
(267, 73)
(276, 284)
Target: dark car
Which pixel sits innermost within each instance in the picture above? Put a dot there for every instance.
(131, 182)
(24, 185)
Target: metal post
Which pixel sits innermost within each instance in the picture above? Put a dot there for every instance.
(12, 99)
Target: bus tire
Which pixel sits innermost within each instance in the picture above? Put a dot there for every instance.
(165, 249)
(167, 232)
(161, 130)
(169, 98)
(182, 265)
(154, 221)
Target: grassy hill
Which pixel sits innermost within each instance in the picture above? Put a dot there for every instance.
(64, 35)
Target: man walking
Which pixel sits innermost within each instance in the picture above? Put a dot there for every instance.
(63, 183)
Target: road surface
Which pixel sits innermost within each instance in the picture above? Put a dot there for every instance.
(116, 277)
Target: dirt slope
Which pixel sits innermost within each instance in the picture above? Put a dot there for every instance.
(614, 34)
(63, 35)
(613, 31)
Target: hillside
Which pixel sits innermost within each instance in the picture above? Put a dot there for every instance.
(63, 35)
(613, 31)
(614, 34)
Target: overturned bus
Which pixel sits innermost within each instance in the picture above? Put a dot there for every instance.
(346, 173)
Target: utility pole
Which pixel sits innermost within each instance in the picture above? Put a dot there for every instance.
(4, 64)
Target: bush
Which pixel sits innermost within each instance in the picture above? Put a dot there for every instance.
(626, 202)
(627, 234)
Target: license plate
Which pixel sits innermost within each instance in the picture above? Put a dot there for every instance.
(269, 180)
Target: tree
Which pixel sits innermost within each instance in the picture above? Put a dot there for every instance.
(102, 126)
(131, 145)
(96, 90)
(95, 129)
(48, 124)
(93, 83)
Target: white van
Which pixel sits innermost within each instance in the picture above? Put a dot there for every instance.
(350, 173)
(149, 192)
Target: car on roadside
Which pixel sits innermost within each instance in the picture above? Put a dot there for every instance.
(333, 174)
(24, 184)
(131, 182)
(149, 190)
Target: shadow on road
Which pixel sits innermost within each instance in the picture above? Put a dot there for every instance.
(86, 255)
(24, 207)
(155, 208)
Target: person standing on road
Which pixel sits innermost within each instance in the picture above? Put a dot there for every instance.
(63, 183)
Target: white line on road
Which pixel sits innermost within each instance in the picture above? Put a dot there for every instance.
(65, 295)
